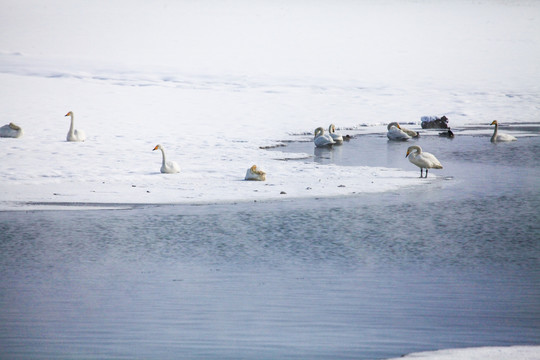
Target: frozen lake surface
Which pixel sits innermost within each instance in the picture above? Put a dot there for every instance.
(450, 264)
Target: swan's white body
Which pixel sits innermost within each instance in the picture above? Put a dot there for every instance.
(74, 134)
(321, 139)
(423, 160)
(11, 131)
(167, 167)
(254, 173)
(396, 133)
(337, 137)
(500, 137)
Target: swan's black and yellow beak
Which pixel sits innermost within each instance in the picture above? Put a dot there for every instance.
(407, 153)
(494, 122)
(67, 114)
(155, 148)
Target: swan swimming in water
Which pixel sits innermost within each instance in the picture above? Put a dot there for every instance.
(396, 132)
(74, 134)
(11, 131)
(254, 173)
(167, 167)
(500, 137)
(321, 139)
(337, 137)
(423, 160)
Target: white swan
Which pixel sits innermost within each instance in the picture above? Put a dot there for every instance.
(254, 173)
(167, 167)
(11, 131)
(74, 134)
(423, 160)
(321, 139)
(395, 132)
(500, 137)
(337, 137)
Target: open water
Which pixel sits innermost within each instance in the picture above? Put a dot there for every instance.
(452, 263)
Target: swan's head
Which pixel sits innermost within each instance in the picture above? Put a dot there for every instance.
(14, 127)
(319, 131)
(494, 122)
(157, 147)
(255, 170)
(393, 124)
(69, 113)
(416, 148)
(332, 128)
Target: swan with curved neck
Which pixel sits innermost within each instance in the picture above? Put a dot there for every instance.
(396, 132)
(321, 139)
(74, 134)
(337, 137)
(500, 137)
(254, 173)
(423, 160)
(11, 130)
(167, 167)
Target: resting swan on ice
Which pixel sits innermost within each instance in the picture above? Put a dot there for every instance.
(500, 137)
(74, 134)
(167, 167)
(337, 137)
(396, 132)
(321, 139)
(253, 173)
(11, 131)
(423, 160)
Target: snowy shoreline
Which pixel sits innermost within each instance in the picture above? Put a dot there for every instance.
(518, 352)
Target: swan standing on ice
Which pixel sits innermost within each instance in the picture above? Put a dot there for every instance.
(11, 130)
(167, 167)
(321, 139)
(397, 133)
(253, 173)
(500, 137)
(423, 160)
(74, 134)
(338, 139)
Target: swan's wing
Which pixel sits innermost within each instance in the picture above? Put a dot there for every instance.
(396, 134)
(79, 135)
(429, 161)
(409, 132)
(323, 140)
(505, 137)
(336, 137)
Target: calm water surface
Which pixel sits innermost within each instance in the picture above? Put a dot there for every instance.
(453, 263)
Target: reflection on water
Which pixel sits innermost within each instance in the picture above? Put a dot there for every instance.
(453, 264)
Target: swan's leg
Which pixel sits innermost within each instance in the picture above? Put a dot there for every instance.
(421, 173)
(426, 173)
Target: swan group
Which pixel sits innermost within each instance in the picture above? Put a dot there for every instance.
(398, 133)
(74, 134)
(11, 131)
(422, 159)
(500, 137)
(167, 167)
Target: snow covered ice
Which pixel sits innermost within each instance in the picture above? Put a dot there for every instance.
(214, 82)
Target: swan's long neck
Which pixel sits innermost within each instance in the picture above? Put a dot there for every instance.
(71, 127)
(392, 124)
(163, 153)
(495, 132)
